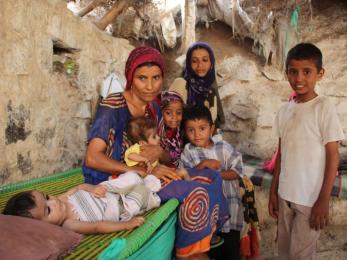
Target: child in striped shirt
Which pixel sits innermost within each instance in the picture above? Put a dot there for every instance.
(207, 151)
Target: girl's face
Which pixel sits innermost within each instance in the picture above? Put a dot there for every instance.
(172, 114)
(147, 82)
(200, 62)
(48, 208)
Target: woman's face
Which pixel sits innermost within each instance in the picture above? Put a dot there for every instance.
(200, 62)
(147, 82)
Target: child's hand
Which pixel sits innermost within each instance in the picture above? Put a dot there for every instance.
(320, 214)
(183, 173)
(149, 167)
(273, 205)
(209, 163)
(151, 152)
(99, 191)
(134, 222)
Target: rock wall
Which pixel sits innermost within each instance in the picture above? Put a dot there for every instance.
(252, 90)
(51, 66)
(249, 58)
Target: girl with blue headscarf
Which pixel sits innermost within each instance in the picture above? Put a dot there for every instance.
(200, 76)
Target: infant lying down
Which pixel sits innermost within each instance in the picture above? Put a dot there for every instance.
(90, 209)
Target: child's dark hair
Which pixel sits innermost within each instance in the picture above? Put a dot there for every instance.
(20, 204)
(138, 128)
(305, 51)
(195, 113)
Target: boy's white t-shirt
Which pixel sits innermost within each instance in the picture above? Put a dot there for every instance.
(304, 129)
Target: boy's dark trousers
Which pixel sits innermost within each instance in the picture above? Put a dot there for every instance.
(230, 249)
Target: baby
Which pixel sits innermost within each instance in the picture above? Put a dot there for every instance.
(142, 131)
(89, 209)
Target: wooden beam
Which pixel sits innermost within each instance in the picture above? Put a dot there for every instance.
(90, 7)
(116, 9)
(188, 25)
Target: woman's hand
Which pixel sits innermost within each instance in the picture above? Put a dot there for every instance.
(165, 173)
(151, 152)
(154, 153)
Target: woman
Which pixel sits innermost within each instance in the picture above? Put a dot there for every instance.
(200, 75)
(107, 140)
(203, 207)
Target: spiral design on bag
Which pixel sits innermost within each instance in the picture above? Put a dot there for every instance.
(194, 212)
(202, 179)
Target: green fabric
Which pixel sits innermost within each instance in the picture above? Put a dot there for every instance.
(161, 245)
(92, 245)
(140, 235)
(294, 20)
(113, 250)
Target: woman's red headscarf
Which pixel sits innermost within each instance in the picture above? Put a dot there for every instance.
(138, 57)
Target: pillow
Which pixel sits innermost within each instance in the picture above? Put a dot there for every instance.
(25, 238)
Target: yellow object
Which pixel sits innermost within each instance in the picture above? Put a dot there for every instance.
(136, 148)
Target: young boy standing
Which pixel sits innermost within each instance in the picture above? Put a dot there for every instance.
(309, 130)
(207, 151)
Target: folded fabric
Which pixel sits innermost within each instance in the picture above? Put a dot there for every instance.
(269, 166)
(253, 168)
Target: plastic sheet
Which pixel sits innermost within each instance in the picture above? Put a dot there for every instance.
(112, 84)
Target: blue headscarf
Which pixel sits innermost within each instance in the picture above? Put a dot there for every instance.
(198, 87)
